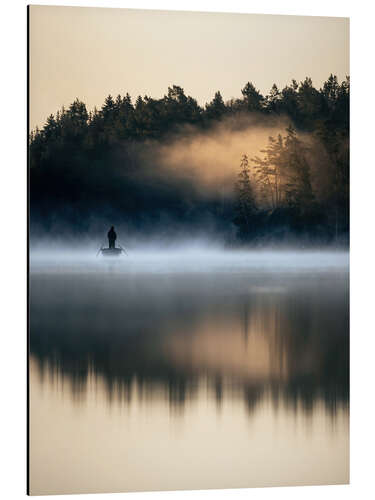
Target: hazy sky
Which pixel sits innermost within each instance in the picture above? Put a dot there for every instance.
(92, 52)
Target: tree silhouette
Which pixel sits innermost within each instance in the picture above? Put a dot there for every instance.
(252, 98)
(245, 206)
(283, 174)
(216, 108)
(80, 159)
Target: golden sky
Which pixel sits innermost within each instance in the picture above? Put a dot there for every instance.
(92, 52)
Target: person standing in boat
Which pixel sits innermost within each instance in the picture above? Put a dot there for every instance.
(112, 237)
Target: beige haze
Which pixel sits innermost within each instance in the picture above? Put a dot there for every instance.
(92, 52)
(213, 157)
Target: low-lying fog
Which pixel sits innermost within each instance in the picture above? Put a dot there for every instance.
(187, 258)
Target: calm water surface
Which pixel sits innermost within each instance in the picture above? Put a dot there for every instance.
(172, 373)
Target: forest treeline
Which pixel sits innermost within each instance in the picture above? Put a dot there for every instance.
(85, 165)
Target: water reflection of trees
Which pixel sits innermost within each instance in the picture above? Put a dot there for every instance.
(127, 345)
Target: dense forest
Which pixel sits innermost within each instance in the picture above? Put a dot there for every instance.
(89, 169)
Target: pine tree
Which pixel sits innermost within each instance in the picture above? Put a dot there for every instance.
(270, 172)
(298, 187)
(273, 99)
(245, 205)
(252, 98)
(216, 108)
(283, 174)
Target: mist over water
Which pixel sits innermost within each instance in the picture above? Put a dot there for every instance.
(198, 348)
(185, 257)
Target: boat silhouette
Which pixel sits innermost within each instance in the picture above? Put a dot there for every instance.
(111, 251)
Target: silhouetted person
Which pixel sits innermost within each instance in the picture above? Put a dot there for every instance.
(112, 237)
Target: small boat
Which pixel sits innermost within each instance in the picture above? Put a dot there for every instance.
(111, 252)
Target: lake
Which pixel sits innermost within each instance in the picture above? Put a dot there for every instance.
(188, 370)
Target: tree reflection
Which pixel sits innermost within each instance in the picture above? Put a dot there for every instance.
(289, 344)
